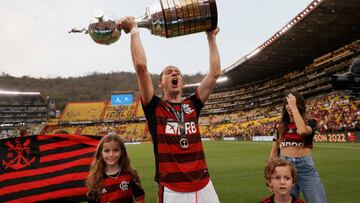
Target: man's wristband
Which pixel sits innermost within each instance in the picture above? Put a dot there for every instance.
(134, 30)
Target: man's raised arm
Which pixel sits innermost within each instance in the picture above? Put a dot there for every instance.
(209, 81)
(139, 59)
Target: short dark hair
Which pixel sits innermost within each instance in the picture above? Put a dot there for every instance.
(162, 72)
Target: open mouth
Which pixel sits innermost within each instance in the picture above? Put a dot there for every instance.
(174, 81)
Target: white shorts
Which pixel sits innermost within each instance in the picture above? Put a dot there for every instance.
(205, 195)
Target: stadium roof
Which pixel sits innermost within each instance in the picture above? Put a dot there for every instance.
(324, 26)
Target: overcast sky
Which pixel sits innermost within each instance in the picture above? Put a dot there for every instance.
(34, 38)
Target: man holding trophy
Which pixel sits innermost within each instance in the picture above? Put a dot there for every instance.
(181, 168)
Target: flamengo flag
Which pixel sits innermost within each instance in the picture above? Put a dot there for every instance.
(45, 167)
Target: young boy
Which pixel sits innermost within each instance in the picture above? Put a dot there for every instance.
(280, 176)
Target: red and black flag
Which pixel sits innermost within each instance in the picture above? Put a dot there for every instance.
(45, 167)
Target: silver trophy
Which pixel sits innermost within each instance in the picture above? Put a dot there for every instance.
(165, 18)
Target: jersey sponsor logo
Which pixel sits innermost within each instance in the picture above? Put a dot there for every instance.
(190, 128)
(172, 128)
(124, 185)
(291, 144)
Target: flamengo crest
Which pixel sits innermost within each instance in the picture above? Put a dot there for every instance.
(18, 155)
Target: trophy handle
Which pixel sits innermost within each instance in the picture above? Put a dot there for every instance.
(78, 30)
(145, 20)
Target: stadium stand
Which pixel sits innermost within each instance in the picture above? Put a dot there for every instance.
(114, 113)
(138, 111)
(77, 112)
(312, 80)
(335, 111)
(101, 118)
(22, 113)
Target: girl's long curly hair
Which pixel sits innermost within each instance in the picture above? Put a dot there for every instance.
(98, 167)
(285, 118)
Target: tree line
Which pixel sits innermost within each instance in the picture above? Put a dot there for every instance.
(92, 87)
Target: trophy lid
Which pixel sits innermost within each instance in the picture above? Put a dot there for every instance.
(103, 29)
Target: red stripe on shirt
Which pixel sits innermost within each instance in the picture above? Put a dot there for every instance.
(169, 167)
(187, 186)
(177, 149)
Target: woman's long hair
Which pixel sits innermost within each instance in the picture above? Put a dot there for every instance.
(97, 169)
(285, 118)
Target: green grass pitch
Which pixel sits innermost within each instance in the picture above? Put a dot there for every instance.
(236, 169)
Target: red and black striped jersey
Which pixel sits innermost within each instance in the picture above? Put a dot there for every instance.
(290, 138)
(121, 189)
(179, 169)
(271, 200)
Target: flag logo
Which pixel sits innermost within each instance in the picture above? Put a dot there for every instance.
(18, 154)
(45, 168)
